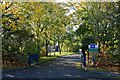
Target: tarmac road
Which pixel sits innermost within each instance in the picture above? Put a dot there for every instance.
(63, 67)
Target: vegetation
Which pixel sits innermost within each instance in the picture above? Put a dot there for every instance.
(100, 21)
(32, 27)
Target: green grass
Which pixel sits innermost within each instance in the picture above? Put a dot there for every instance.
(62, 53)
(52, 56)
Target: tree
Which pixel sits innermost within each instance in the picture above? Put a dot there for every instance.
(12, 41)
(98, 20)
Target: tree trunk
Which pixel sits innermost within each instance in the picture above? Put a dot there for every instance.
(38, 45)
(60, 50)
(59, 47)
(46, 48)
(54, 48)
(46, 44)
(38, 48)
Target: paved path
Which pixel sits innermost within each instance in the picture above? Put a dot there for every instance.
(63, 67)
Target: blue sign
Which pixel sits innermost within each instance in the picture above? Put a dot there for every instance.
(92, 46)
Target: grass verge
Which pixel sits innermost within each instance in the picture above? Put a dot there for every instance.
(52, 56)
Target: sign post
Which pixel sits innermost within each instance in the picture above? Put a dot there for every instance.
(32, 57)
(93, 48)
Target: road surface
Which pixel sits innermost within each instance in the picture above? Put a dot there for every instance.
(63, 67)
